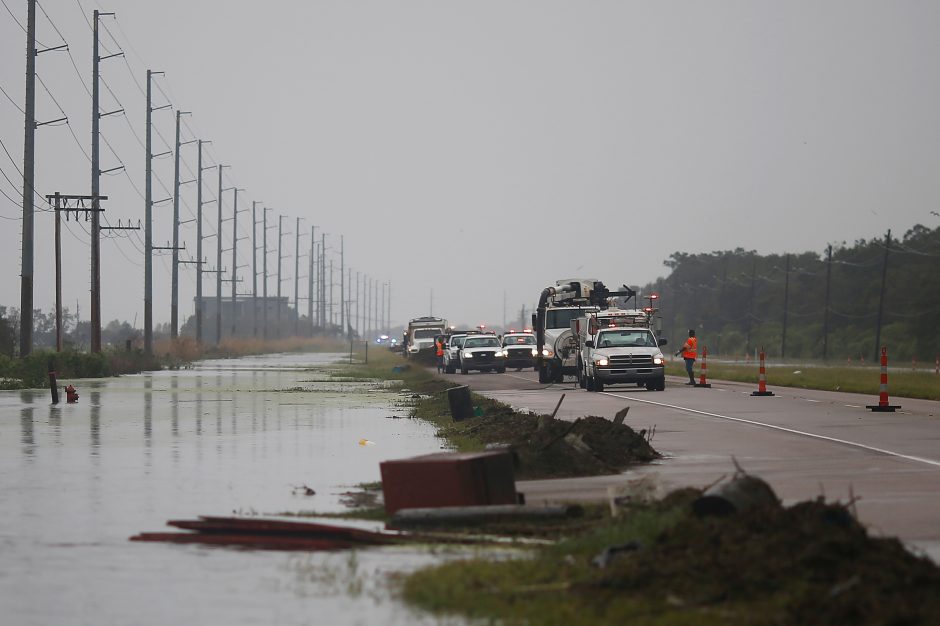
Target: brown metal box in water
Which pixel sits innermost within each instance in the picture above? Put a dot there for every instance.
(448, 479)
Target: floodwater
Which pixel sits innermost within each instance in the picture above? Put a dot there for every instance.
(76, 480)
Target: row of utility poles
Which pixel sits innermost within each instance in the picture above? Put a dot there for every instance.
(827, 302)
(375, 311)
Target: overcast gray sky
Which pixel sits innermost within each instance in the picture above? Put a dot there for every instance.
(482, 148)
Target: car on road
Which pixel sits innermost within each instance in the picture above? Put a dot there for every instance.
(452, 352)
(482, 352)
(520, 349)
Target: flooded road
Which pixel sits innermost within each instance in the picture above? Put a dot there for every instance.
(227, 436)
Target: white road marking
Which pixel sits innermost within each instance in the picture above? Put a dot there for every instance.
(853, 406)
(792, 431)
(811, 400)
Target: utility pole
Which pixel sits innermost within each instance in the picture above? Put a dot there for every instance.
(322, 301)
(382, 328)
(218, 263)
(148, 218)
(359, 328)
(234, 278)
(29, 156)
(375, 304)
(786, 305)
(388, 310)
(366, 309)
(280, 234)
(750, 306)
(254, 265)
(310, 279)
(342, 281)
(332, 311)
(264, 271)
(297, 278)
(881, 298)
(826, 308)
(200, 306)
(175, 287)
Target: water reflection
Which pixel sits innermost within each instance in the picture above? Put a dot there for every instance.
(94, 398)
(75, 490)
(27, 437)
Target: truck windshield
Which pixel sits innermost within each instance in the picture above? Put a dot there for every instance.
(519, 340)
(561, 318)
(626, 339)
(481, 342)
(426, 333)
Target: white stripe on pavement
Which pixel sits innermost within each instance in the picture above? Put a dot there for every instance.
(792, 431)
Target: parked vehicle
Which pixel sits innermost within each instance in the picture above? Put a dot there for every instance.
(619, 346)
(482, 352)
(520, 349)
(421, 333)
(452, 352)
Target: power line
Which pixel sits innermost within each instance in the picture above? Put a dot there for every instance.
(12, 101)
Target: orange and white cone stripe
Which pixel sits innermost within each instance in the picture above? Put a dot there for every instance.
(762, 378)
(883, 405)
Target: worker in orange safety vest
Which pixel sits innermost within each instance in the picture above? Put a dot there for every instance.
(439, 346)
(689, 352)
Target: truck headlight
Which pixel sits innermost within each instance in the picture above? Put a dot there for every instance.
(535, 352)
(500, 353)
(547, 352)
(468, 355)
(602, 362)
(658, 359)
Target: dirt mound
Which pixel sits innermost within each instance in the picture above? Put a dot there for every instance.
(811, 563)
(551, 448)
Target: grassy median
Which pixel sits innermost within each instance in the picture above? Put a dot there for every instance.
(902, 383)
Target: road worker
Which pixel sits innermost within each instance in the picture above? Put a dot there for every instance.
(439, 347)
(689, 352)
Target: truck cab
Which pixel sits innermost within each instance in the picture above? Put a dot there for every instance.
(421, 334)
(619, 346)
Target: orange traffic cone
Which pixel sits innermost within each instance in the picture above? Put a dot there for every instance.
(883, 406)
(702, 377)
(762, 379)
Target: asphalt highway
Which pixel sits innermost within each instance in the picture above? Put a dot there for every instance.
(805, 443)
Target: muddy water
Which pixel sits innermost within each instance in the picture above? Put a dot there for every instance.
(228, 436)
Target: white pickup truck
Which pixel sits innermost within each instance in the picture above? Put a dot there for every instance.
(619, 346)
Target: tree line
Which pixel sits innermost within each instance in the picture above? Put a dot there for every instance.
(833, 306)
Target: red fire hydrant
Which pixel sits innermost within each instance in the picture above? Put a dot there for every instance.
(71, 396)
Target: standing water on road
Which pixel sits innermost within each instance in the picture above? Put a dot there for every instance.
(76, 480)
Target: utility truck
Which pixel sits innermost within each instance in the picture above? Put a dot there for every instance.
(556, 344)
(421, 332)
(619, 346)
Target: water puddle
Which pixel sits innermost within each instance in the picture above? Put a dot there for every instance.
(228, 436)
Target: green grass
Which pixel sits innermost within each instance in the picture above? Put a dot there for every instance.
(902, 383)
(808, 564)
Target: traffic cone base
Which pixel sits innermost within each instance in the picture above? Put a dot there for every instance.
(762, 393)
(702, 385)
(883, 408)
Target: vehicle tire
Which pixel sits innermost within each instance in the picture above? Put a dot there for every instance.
(558, 376)
(543, 374)
(464, 370)
(500, 370)
(589, 382)
(660, 384)
(598, 385)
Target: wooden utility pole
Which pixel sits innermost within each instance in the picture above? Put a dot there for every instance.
(296, 278)
(29, 145)
(254, 266)
(881, 298)
(825, 354)
(786, 306)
